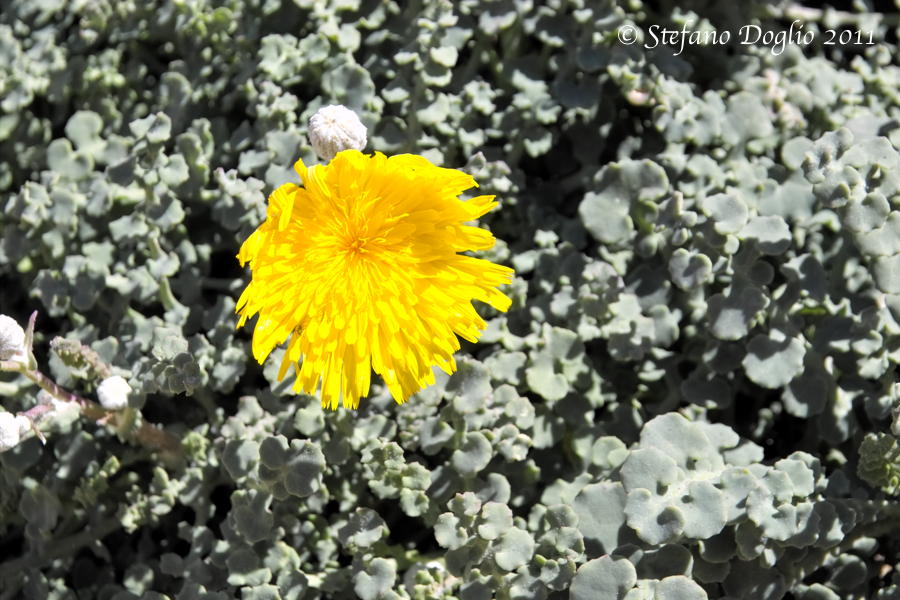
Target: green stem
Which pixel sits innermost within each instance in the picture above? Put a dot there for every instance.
(11, 570)
(123, 421)
(145, 434)
(405, 558)
(221, 284)
(90, 409)
(414, 131)
(166, 297)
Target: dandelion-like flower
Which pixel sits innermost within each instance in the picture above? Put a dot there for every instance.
(361, 269)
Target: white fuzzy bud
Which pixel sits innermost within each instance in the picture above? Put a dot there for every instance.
(113, 393)
(63, 411)
(24, 424)
(12, 341)
(334, 128)
(9, 431)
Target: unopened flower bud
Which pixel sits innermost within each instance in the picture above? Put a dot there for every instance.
(334, 128)
(24, 424)
(12, 341)
(9, 431)
(113, 393)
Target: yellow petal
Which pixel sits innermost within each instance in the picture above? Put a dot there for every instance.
(361, 269)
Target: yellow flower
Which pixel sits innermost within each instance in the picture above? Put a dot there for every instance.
(361, 269)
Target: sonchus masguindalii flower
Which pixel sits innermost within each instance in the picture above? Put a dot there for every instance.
(361, 269)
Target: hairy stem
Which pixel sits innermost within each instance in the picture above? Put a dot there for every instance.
(145, 434)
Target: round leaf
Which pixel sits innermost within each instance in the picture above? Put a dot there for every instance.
(603, 578)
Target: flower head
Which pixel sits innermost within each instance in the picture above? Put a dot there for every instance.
(361, 269)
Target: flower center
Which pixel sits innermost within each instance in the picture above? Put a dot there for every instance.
(355, 246)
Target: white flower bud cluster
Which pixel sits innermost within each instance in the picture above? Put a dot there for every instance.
(334, 128)
(113, 393)
(12, 341)
(12, 428)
